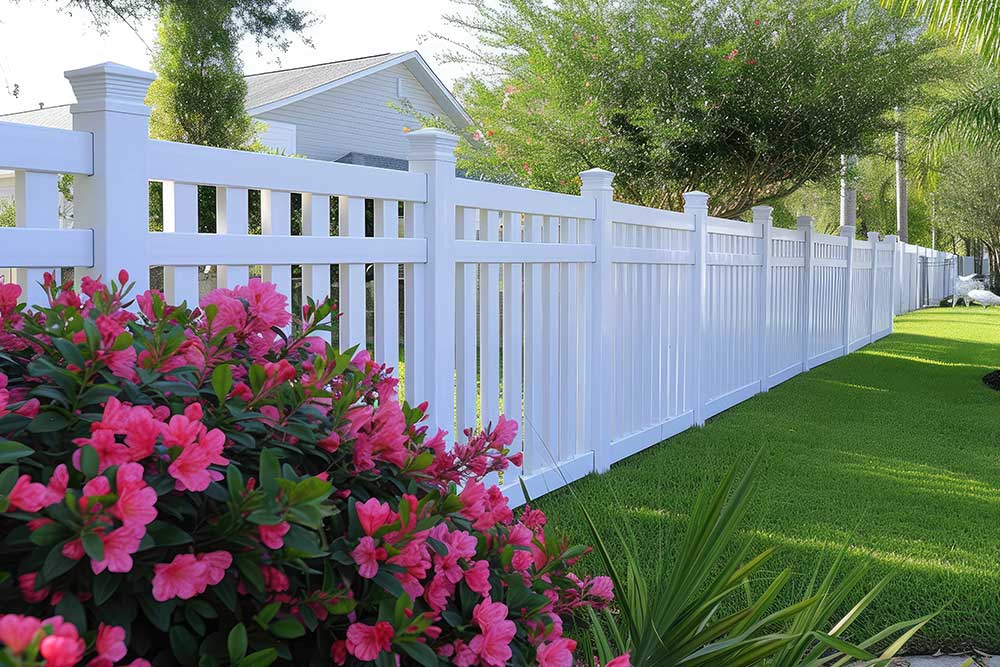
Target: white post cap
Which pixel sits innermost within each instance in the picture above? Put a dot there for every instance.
(695, 200)
(804, 222)
(873, 236)
(432, 144)
(848, 231)
(762, 214)
(110, 87)
(596, 179)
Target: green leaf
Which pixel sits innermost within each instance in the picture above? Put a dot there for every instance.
(249, 567)
(310, 490)
(69, 351)
(49, 534)
(234, 483)
(47, 422)
(89, 461)
(257, 378)
(183, 644)
(55, 564)
(93, 546)
(287, 628)
(8, 478)
(422, 653)
(269, 472)
(237, 642)
(158, 613)
(105, 585)
(261, 658)
(266, 615)
(167, 534)
(11, 451)
(71, 609)
(222, 382)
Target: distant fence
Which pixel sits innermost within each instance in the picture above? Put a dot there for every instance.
(602, 327)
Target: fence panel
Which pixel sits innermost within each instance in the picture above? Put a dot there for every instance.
(602, 327)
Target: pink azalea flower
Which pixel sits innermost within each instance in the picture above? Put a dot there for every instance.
(64, 647)
(184, 577)
(30, 496)
(26, 584)
(374, 514)
(621, 661)
(492, 645)
(136, 504)
(119, 545)
(190, 469)
(478, 577)
(17, 632)
(367, 556)
(272, 536)
(557, 653)
(111, 642)
(365, 642)
(217, 563)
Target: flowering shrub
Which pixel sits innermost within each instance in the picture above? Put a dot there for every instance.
(199, 486)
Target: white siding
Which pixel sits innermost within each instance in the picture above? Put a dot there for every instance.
(355, 117)
(278, 136)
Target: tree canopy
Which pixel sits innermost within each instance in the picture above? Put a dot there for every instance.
(198, 96)
(269, 21)
(746, 100)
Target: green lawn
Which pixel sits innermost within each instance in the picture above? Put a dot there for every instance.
(895, 448)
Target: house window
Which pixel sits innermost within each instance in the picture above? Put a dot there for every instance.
(399, 87)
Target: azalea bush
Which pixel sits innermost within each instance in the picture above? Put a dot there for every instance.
(182, 486)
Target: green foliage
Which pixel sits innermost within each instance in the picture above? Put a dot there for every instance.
(198, 96)
(970, 195)
(267, 21)
(675, 616)
(868, 450)
(745, 100)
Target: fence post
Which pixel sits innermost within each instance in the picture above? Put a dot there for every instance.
(873, 239)
(893, 240)
(432, 152)
(848, 232)
(696, 207)
(597, 184)
(114, 200)
(762, 214)
(804, 224)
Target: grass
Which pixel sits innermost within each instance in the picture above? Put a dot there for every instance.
(894, 449)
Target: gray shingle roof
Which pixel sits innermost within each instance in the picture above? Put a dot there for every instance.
(263, 88)
(57, 117)
(268, 87)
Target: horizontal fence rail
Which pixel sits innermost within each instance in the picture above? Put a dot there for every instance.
(602, 327)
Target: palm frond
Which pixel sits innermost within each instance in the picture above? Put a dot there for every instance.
(971, 23)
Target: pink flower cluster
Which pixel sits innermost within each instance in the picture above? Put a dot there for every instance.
(59, 643)
(224, 455)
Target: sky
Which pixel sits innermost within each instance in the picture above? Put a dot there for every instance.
(38, 43)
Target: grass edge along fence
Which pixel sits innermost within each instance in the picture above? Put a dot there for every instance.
(602, 327)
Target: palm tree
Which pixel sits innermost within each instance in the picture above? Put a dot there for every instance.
(972, 23)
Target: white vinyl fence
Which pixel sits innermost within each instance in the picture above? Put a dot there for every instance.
(602, 327)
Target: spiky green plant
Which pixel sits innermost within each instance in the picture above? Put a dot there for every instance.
(691, 613)
(972, 23)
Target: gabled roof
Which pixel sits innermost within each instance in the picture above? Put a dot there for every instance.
(272, 90)
(267, 88)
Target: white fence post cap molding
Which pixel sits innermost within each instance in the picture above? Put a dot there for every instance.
(848, 231)
(762, 214)
(597, 179)
(432, 144)
(804, 222)
(873, 236)
(695, 199)
(110, 87)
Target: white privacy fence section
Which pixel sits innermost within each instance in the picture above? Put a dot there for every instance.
(602, 327)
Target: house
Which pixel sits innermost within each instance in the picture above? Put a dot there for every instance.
(343, 111)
